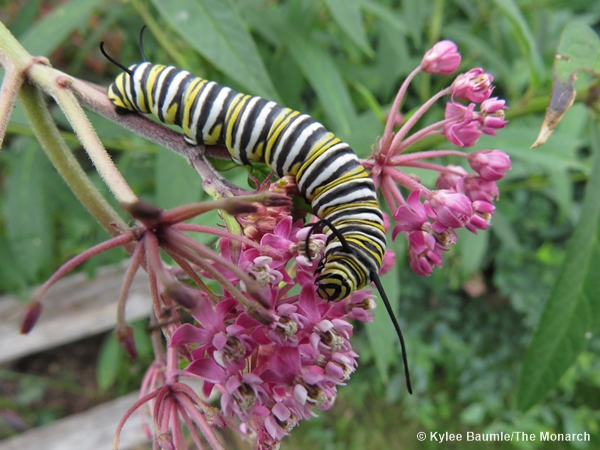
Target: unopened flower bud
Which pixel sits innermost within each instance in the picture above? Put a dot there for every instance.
(452, 210)
(448, 180)
(32, 314)
(276, 200)
(491, 165)
(442, 59)
(142, 211)
(124, 334)
(240, 207)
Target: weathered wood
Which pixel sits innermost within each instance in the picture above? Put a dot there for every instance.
(74, 308)
(91, 430)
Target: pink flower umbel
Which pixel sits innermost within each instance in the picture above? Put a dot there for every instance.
(429, 217)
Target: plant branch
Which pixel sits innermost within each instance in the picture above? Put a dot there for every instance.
(55, 84)
(8, 94)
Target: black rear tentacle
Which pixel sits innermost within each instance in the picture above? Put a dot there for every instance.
(375, 279)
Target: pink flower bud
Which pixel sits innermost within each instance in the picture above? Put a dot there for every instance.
(453, 210)
(32, 314)
(491, 115)
(424, 252)
(491, 165)
(493, 105)
(481, 218)
(410, 217)
(442, 59)
(448, 180)
(462, 135)
(463, 130)
(124, 334)
(389, 260)
(473, 86)
(492, 123)
(476, 188)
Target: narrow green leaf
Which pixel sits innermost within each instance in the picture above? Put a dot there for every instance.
(214, 28)
(572, 311)
(561, 190)
(109, 362)
(524, 37)
(472, 249)
(348, 16)
(504, 231)
(371, 101)
(11, 278)
(177, 183)
(326, 80)
(386, 15)
(25, 18)
(559, 153)
(53, 29)
(27, 219)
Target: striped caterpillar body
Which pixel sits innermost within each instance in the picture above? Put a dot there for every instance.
(328, 173)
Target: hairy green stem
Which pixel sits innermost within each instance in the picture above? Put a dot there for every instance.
(65, 163)
(55, 84)
(8, 94)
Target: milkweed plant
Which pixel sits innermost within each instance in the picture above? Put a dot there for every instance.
(273, 350)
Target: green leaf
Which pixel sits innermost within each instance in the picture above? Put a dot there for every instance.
(386, 15)
(325, 78)
(348, 16)
(109, 362)
(177, 183)
(560, 153)
(524, 38)
(52, 30)
(573, 310)
(27, 219)
(11, 278)
(578, 50)
(215, 29)
(25, 17)
(472, 249)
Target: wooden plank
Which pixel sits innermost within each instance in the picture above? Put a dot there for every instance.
(74, 308)
(91, 430)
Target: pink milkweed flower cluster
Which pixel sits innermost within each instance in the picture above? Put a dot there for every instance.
(429, 217)
(274, 357)
(273, 375)
(259, 334)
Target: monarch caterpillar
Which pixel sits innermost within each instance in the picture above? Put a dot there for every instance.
(327, 171)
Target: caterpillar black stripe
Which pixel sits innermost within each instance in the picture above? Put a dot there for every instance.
(327, 171)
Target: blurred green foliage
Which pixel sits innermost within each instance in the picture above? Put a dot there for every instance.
(468, 325)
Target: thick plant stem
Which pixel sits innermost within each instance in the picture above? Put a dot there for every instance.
(65, 163)
(8, 94)
(56, 85)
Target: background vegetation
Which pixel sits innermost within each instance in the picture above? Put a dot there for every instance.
(468, 325)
